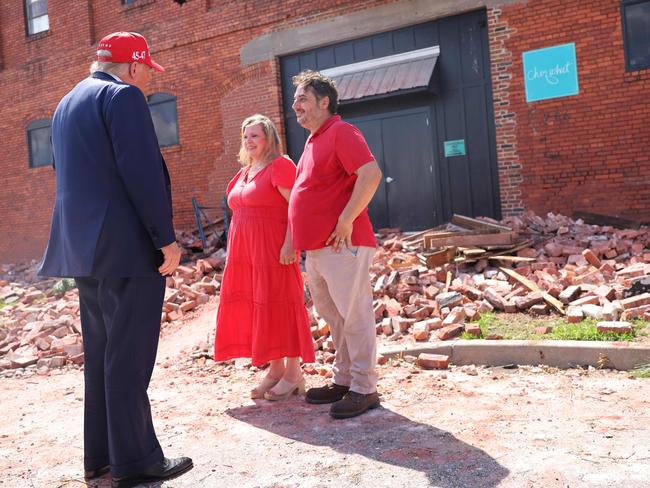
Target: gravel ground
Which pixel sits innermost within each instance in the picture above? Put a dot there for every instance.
(466, 427)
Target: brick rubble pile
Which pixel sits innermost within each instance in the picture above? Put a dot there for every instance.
(39, 319)
(579, 270)
(583, 271)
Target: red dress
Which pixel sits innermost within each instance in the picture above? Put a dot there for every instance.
(261, 311)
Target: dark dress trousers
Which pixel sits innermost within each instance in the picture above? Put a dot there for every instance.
(111, 216)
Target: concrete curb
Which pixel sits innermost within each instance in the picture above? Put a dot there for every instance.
(561, 354)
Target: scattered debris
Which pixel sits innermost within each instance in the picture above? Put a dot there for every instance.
(543, 265)
(422, 293)
(39, 318)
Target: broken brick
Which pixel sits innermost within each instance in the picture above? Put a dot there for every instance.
(591, 258)
(574, 315)
(450, 332)
(473, 329)
(636, 301)
(614, 327)
(433, 361)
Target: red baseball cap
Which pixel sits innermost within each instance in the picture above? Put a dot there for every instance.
(126, 47)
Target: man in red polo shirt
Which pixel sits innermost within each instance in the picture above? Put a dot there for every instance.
(328, 211)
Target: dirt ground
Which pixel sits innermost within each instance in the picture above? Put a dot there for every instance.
(463, 428)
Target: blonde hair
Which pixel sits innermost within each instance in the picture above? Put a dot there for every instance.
(272, 138)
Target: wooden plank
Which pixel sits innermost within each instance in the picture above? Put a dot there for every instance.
(532, 286)
(472, 251)
(511, 259)
(613, 220)
(491, 254)
(470, 223)
(448, 281)
(470, 240)
(459, 232)
(416, 236)
(509, 249)
(438, 258)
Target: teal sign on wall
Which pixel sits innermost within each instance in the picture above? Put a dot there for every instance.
(551, 72)
(455, 148)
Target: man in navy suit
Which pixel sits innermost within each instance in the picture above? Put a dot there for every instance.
(112, 231)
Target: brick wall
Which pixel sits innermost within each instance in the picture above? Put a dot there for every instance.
(505, 119)
(585, 152)
(198, 43)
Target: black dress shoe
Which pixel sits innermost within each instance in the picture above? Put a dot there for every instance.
(89, 474)
(354, 404)
(326, 394)
(163, 470)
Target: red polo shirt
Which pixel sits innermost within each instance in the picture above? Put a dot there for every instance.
(324, 183)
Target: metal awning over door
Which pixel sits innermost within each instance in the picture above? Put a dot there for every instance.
(410, 121)
(407, 72)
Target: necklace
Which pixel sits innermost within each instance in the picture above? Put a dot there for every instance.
(253, 169)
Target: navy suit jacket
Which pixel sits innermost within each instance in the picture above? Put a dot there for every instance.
(113, 209)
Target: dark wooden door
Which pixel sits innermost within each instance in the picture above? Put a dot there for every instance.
(460, 112)
(401, 141)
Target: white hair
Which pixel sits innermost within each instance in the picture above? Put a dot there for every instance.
(108, 67)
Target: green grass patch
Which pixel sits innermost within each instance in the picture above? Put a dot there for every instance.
(63, 285)
(4, 304)
(522, 327)
(586, 331)
(642, 371)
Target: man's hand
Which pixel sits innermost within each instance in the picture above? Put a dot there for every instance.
(172, 254)
(287, 254)
(368, 178)
(341, 236)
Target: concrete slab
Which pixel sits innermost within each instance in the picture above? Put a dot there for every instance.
(622, 356)
(458, 428)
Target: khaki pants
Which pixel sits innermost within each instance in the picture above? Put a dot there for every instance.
(339, 284)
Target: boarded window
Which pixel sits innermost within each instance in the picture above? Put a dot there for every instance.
(165, 118)
(39, 143)
(636, 33)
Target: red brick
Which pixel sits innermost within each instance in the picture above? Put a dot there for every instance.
(431, 324)
(188, 305)
(575, 315)
(539, 309)
(433, 361)
(588, 299)
(420, 331)
(456, 316)
(636, 301)
(473, 329)
(616, 327)
(450, 332)
(591, 258)
(402, 324)
(174, 315)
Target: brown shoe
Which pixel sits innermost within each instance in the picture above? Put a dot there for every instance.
(326, 394)
(354, 404)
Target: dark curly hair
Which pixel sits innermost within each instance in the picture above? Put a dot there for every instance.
(322, 86)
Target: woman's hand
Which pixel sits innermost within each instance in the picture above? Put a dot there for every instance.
(287, 254)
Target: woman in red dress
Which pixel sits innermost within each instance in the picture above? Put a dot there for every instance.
(261, 312)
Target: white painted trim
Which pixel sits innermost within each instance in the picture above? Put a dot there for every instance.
(427, 52)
